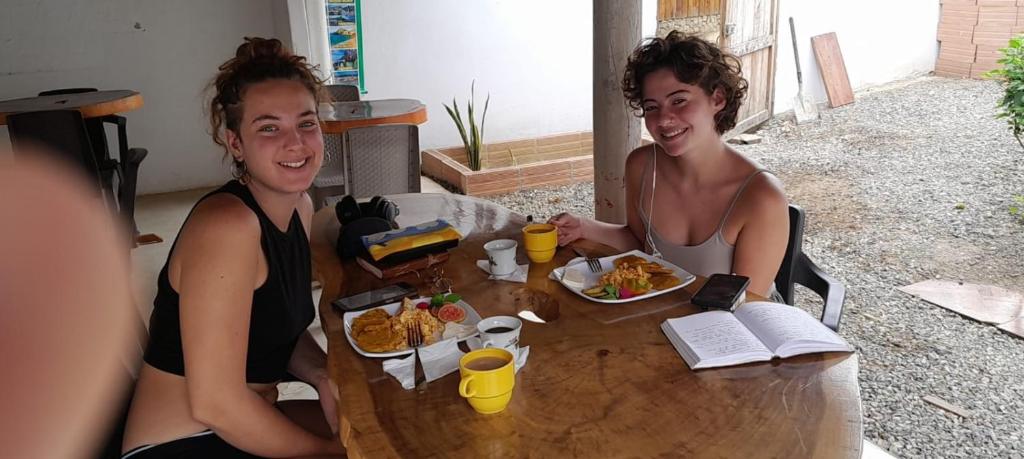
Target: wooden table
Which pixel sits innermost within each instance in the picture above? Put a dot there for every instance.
(91, 104)
(338, 117)
(601, 380)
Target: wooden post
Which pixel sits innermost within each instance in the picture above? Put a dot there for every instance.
(616, 129)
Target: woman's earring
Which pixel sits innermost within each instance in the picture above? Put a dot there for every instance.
(240, 172)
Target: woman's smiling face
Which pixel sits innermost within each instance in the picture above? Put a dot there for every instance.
(279, 136)
(678, 115)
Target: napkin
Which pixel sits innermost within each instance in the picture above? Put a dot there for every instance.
(403, 369)
(519, 275)
(438, 360)
(557, 273)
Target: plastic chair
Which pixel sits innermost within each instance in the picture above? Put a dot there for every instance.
(330, 181)
(381, 160)
(798, 268)
(126, 171)
(343, 92)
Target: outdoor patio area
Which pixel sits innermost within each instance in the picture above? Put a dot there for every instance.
(582, 228)
(912, 182)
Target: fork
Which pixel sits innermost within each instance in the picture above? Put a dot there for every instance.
(593, 263)
(413, 335)
(414, 338)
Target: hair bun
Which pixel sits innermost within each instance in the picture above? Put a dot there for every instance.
(257, 49)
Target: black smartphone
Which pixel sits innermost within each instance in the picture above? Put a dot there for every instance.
(377, 297)
(722, 291)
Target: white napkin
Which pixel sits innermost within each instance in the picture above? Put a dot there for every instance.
(403, 369)
(519, 275)
(520, 360)
(557, 273)
(440, 359)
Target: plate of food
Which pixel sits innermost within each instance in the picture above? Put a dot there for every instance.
(383, 331)
(626, 277)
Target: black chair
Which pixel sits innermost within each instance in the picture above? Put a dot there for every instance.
(797, 268)
(61, 134)
(126, 171)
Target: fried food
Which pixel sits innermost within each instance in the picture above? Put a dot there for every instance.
(635, 274)
(381, 338)
(378, 331)
(663, 282)
(372, 317)
(629, 260)
(655, 269)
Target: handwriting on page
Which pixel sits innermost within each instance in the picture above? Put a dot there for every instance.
(777, 324)
(720, 338)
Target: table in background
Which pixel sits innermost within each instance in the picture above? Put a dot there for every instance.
(338, 117)
(91, 104)
(601, 381)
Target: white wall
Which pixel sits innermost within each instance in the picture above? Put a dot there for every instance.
(167, 50)
(533, 57)
(881, 41)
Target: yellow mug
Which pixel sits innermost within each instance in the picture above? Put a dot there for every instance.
(488, 376)
(541, 240)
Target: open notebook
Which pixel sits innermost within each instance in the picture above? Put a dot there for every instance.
(755, 332)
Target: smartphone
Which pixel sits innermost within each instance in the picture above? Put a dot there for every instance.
(378, 297)
(722, 291)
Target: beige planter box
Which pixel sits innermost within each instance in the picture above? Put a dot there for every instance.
(517, 165)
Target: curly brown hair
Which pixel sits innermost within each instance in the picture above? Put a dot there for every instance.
(694, 61)
(255, 61)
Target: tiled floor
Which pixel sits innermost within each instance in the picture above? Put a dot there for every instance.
(163, 214)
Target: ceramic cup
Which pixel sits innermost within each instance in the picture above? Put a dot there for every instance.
(488, 377)
(501, 255)
(540, 240)
(500, 332)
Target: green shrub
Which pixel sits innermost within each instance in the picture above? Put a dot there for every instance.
(1011, 106)
(473, 140)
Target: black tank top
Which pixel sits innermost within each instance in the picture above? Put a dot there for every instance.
(282, 307)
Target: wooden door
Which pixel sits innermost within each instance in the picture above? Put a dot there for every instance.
(749, 31)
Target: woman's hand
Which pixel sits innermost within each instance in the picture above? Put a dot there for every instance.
(328, 392)
(570, 227)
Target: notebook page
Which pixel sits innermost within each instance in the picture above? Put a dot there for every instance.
(717, 335)
(775, 324)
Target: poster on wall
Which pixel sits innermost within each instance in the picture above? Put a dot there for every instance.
(343, 34)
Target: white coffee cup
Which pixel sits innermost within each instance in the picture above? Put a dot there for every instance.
(501, 253)
(500, 331)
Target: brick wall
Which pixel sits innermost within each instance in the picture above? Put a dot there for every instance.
(971, 32)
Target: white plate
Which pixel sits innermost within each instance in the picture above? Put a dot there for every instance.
(607, 265)
(472, 318)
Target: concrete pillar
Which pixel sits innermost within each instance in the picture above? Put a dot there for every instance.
(616, 130)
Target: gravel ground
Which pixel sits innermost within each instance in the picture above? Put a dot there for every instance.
(911, 182)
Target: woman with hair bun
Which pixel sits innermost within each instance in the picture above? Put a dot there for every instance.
(234, 298)
(690, 198)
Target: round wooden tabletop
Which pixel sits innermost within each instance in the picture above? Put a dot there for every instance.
(338, 117)
(601, 380)
(91, 104)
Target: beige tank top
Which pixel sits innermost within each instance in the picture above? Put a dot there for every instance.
(714, 255)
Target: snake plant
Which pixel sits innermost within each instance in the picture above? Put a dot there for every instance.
(474, 139)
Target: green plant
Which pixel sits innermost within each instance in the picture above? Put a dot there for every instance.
(474, 140)
(1017, 208)
(1011, 106)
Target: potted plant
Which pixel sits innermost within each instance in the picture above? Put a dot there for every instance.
(473, 140)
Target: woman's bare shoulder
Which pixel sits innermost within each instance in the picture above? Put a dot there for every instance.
(765, 196)
(222, 218)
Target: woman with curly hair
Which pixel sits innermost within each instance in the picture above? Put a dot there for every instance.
(234, 299)
(692, 199)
